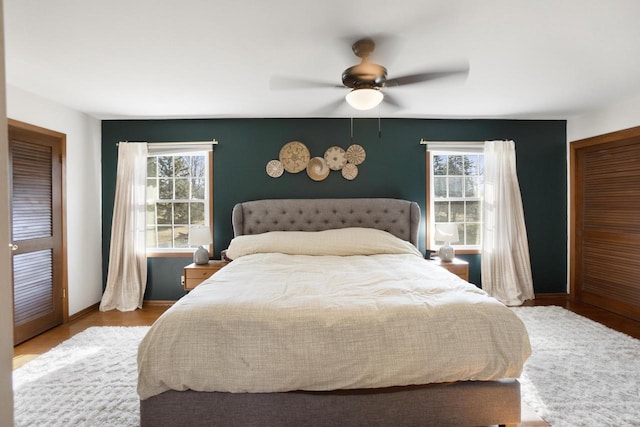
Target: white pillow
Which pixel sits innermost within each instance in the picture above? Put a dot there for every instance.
(342, 242)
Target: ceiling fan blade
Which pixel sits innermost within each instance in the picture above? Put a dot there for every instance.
(392, 101)
(292, 83)
(428, 76)
(330, 108)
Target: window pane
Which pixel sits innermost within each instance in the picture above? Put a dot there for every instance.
(439, 165)
(440, 187)
(181, 213)
(152, 189)
(197, 213)
(473, 211)
(457, 211)
(151, 214)
(151, 237)
(165, 213)
(166, 189)
(473, 234)
(481, 165)
(152, 170)
(471, 188)
(460, 235)
(455, 187)
(471, 164)
(441, 211)
(197, 188)
(181, 164)
(182, 188)
(455, 165)
(165, 237)
(181, 237)
(165, 165)
(198, 166)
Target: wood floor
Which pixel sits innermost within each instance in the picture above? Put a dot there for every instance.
(619, 323)
(42, 343)
(151, 311)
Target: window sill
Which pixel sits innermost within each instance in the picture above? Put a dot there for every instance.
(468, 251)
(169, 254)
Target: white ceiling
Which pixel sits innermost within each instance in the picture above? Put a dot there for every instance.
(214, 58)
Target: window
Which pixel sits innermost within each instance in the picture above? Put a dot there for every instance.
(455, 195)
(178, 196)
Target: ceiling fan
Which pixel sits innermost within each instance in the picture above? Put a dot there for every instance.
(366, 79)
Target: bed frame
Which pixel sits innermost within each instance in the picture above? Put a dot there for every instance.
(468, 403)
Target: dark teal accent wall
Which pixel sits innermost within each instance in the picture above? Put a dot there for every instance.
(394, 167)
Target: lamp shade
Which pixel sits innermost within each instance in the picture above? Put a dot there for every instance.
(364, 98)
(199, 235)
(447, 232)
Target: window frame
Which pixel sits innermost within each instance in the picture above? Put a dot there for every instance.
(188, 252)
(429, 216)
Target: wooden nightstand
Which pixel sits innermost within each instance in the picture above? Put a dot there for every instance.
(458, 267)
(195, 274)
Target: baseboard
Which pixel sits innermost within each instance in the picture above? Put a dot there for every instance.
(157, 303)
(81, 313)
(552, 295)
(96, 307)
(560, 299)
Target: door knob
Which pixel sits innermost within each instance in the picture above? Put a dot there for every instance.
(13, 246)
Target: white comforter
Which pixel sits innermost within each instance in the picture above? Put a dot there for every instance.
(274, 322)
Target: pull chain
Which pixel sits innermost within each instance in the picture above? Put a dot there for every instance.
(379, 125)
(351, 130)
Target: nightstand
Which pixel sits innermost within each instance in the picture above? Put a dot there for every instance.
(458, 267)
(195, 274)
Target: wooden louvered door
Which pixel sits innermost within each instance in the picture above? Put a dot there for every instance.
(606, 221)
(35, 156)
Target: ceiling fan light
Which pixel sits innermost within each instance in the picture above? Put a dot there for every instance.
(364, 98)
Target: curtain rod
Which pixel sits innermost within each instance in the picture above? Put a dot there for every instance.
(425, 142)
(213, 142)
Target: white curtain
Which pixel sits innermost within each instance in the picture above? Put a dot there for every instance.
(506, 267)
(127, 275)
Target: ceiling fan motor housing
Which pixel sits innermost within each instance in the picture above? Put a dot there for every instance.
(364, 75)
(363, 47)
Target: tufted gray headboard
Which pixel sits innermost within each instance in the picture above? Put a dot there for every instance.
(399, 217)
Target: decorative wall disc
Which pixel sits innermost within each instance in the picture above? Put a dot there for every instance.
(317, 169)
(355, 154)
(294, 156)
(335, 158)
(275, 169)
(350, 171)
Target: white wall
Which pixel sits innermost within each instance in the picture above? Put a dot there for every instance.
(622, 115)
(83, 197)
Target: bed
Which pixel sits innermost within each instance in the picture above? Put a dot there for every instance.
(329, 316)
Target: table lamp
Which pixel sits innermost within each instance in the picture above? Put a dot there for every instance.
(200, 235)
(448, 233)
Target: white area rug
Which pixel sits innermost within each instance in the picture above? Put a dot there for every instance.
(580, 374)
(88, 380)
